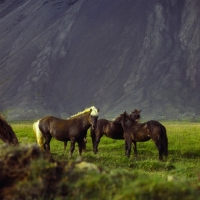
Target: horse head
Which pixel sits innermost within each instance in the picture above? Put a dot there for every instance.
(7, 134)
(14, 140)
(121, 117)
(93, 117)
(135, 115)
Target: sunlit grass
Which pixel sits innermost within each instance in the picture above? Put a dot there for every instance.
(183, 160)
(144, 177)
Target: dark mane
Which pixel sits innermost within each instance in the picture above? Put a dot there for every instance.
(7, 134)
(141, 132)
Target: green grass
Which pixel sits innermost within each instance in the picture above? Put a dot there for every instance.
(180, 171)
(183, 160)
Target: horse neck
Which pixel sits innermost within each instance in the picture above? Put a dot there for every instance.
(84, 118)
(128, 122)
(113, 123)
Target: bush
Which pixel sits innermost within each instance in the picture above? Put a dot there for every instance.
(27, 173)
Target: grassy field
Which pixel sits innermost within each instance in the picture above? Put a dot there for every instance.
(183, 160)
(181, 170)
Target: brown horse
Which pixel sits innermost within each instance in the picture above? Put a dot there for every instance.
(7, 134)
(73, 129)
(141, 132)
(83, 145)
(111, 129)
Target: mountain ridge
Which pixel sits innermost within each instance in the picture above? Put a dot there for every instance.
(59, 57)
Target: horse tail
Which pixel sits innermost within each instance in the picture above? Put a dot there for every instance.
(38, 135)
(164, 140)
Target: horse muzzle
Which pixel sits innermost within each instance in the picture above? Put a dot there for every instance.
(94, 127)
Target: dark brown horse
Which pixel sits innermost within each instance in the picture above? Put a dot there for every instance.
(111, 129)
(7, 134)
(83, 145)
(73, 129)
(141, 132)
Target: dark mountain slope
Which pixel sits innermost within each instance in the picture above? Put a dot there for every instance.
(58, 57)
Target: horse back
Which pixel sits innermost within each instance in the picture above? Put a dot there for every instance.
(156, 128)
(152, 124)
(59, 128)
(50, 121)
(109, 128)
(139, 132)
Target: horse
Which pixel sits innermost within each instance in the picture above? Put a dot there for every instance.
(141, 132)
(7, 135)
(73, 129)
(35, 126)
(83, 145)
(111, 129)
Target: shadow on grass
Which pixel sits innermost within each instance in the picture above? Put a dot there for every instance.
(191, 155)
(152, 166)
(185, 154)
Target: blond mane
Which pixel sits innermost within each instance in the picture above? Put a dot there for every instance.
(94, 112)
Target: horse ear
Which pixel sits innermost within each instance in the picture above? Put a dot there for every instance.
(98, 109)
(138, 111)
(124, 115)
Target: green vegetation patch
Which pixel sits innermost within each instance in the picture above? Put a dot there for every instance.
(152, 165)
(27, 173)
(109, 174)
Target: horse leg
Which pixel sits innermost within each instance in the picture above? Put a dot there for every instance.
(93, 136)
(80, 147)
(159, 147)
(84, 144)
(160, 150)
(72, 147)
(160, 154)
(47, 143)
(96, 145)
(128, 148)
(125, 146)
(135, 148)
(65, 145)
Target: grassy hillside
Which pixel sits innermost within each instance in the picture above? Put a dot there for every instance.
(176, 177)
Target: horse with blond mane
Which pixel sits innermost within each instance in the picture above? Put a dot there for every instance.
(73, 129)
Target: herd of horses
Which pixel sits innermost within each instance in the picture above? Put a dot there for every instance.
(74, 129)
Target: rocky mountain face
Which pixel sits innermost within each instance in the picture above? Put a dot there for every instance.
(58, 57)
